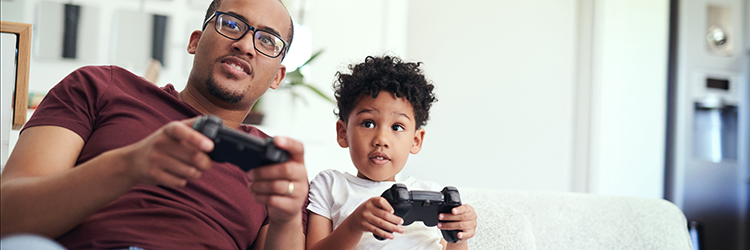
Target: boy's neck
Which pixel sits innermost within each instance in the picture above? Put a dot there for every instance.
(362, 176)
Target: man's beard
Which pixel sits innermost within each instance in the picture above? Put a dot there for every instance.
(216, 91)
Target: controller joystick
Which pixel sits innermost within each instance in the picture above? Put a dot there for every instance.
(423, 206)
(241, 149)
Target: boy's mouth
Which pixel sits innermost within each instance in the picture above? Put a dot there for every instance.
(379, 158)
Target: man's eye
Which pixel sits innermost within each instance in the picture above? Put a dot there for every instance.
(368, 124)
(232, 25)
(397, 127)
(268, 40)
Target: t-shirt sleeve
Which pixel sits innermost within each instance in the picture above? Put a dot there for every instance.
(72, 103)
(320, 197)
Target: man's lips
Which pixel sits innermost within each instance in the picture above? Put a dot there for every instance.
(236, 65)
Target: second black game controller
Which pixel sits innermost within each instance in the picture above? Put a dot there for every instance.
(241, 149)
(423, 206)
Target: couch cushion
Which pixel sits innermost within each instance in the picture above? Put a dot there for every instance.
(500, 226)
(558, 220)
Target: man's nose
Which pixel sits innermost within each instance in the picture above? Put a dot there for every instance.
(246, 44)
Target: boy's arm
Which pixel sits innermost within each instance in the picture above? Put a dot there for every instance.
(319, 235)
(374, 215)
(461, 245)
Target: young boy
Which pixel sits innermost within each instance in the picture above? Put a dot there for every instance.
(383, 105)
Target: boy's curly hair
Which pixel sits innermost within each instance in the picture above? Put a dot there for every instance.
(387, 73)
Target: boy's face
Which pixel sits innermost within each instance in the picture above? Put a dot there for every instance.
(380, 134)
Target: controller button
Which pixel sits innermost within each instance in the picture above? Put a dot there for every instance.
(403, 195)
(211, 131)
(273, 155)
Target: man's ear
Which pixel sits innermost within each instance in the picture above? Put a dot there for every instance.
(341, 134)
(193, 43)
(416, 146)
(280, 74)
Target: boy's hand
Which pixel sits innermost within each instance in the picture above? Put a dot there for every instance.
(461, 218)
(375, 215)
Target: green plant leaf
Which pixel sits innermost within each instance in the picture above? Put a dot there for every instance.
(317, 91)
(310, 60)
(296, 96)
(295, 78)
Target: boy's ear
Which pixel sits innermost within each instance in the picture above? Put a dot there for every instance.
(416, 146)
(341, 134)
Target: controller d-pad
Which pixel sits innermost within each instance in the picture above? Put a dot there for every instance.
(403, 195)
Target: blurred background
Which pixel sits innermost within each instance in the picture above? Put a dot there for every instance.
(640, 98)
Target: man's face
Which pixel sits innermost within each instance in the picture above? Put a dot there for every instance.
(232, 71)
(380, 135)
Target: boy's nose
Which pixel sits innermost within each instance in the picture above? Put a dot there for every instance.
(380, 140)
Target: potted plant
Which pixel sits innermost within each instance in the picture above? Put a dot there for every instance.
(292, 81)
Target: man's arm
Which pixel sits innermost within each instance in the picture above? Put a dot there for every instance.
(271, 186)
(43, 192)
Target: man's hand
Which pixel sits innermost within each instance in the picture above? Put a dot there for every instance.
(170, 156)
(375, 215)
(461, 218)
(282, 187)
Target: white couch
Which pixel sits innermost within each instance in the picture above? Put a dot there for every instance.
(552, 220)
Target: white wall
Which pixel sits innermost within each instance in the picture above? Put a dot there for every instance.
(504, 74)
(507, 113)
(629, 97)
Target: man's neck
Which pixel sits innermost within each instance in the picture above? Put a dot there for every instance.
(193, 97)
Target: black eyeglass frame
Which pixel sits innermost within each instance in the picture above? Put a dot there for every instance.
(249, 28)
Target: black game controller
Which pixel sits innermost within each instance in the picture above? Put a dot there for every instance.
(241, 149)
(423, 206)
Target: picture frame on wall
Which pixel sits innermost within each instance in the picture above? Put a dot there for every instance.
(21, 82)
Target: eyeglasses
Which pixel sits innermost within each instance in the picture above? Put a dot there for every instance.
(233, 27)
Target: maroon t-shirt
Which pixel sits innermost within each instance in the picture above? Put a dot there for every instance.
(109, 107)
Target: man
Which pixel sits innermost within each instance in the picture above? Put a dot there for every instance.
(111, 161)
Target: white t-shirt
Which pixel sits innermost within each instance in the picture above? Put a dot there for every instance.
(335, 196)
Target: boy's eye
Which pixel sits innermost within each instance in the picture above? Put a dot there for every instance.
(397, 127)
(368, 124)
